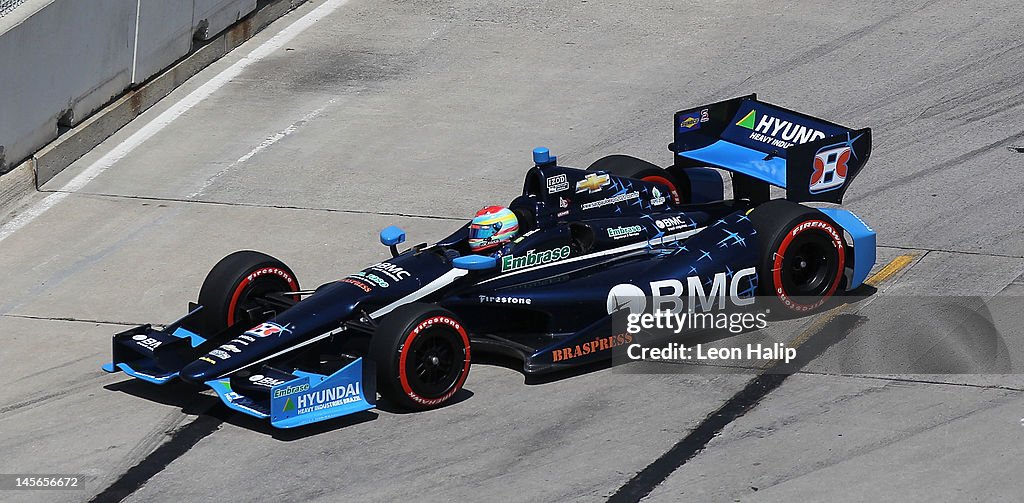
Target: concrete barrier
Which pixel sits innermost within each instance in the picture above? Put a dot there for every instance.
(60, 60)
(52, 88)
(164, 34)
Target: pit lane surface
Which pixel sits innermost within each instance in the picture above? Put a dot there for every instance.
(417, 114)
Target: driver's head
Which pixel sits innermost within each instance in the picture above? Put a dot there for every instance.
(492, 226)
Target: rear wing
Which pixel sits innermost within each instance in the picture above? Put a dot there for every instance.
(813, 159)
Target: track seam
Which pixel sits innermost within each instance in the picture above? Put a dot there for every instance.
(70, 319)
(956, 252)
(916, 381)
(254, 205)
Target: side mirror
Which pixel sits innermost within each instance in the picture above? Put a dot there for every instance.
(475, 262)
(391, 237)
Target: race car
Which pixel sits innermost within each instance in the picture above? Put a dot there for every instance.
(539, 279)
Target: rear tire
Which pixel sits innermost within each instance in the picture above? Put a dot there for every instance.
(422, 355)
(803, 255)
(639, 169)
(233, 285)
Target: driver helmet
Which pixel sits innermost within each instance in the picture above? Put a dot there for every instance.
(492, 226)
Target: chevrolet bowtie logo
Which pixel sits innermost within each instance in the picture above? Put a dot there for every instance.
(592, 183)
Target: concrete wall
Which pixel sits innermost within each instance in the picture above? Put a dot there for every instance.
(213, 16)
(164, 35)
(65, 56)
(61, 60)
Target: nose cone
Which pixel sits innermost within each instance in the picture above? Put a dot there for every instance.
(200, 371)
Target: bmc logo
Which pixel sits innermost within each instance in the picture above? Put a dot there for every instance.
(829, 169)
(669, 294)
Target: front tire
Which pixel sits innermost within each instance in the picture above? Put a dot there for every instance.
(234, 286)
(803, 255)
(422, 355)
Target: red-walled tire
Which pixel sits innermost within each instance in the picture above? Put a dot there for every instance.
(803, 255)
(639, 169)
(422, 355)
(231, 287)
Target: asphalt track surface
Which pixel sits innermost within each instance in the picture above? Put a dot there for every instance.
(417, 113)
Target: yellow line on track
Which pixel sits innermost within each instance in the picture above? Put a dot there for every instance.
(894, 266)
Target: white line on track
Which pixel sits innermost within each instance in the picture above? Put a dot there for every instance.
(167, 116)
(262, 146)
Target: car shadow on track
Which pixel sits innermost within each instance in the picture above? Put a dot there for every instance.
(175, 394)
(195, 400)
(384, 405)
(516, 365)
(291, 434)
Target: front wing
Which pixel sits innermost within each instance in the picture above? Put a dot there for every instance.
(303, 399)
(287, 399)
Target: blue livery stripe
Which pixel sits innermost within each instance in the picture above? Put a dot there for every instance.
(864, 246)
(748, 161)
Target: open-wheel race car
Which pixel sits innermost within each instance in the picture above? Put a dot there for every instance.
(575, 247)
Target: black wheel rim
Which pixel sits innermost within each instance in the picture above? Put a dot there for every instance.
(253, 298)
(435, 362)
(808, 267)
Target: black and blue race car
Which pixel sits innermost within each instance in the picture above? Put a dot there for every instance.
(590, 243)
